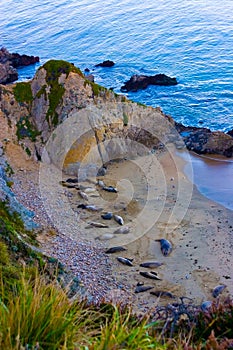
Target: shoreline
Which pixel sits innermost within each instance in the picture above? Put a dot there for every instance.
(201, 258)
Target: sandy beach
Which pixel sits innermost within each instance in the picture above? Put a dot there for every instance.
(154, 204)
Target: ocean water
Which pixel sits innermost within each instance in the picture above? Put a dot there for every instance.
(191, 40)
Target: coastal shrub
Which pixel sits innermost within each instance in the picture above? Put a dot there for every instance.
(25, 128)
(23, 92)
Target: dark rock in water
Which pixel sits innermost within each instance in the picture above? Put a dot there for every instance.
(138, 82)
(125, 261)
(10, 61)
(152, 275)
(141, 288)
(86, 70)
(161, 293)
(166, 246)
(106, 63)
(115, 250)
(217, 290)
(107, 216)
(18, 60)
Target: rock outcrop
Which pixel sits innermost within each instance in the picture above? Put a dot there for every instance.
(202, 140)
(10, 61)
(107, 63)
(138, 82)
(85, 125)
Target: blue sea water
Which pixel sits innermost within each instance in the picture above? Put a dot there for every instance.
(191, 40)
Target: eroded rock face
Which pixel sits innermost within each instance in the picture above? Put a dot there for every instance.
(10, 61)
(202, 140)
(138, 82)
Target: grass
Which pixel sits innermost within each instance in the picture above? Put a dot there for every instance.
(23, 92)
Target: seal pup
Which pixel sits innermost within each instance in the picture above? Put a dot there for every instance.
(97, 224)
(217, 290)
(110, 189)
(141, 288)
(101, 183)
(125, 261)
(151, 264)
(83, 195)
(152, 275)
(122, 230)
(161, 293)
(115, 250)
(166, 246)
(206, 305)
(118, 219)
(107, 216)
(89, 207)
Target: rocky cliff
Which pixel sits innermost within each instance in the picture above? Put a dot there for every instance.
(73, 116)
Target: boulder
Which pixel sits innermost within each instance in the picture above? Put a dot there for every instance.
(107, 63)
(203, 140)
(8, 74)
(138, 82)
(10, 61)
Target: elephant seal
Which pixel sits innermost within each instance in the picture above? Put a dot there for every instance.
(141, 288)
(110, 189)
(122, 230)
(125, 261)
(152, 275)
(115, 250)
(151, 264)
(119, 219)
(217, 290)
(166, 246)
(161, 293)
(107, 216)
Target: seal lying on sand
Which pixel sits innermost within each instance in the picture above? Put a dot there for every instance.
(122, 230)
(166, 246)
(151, 264)
(115, 250)
(125, 261)
(152, 275)
(218, 289)
(118, 219)
(107, 216)
(161, 293)
(110, 189)
(141, 288)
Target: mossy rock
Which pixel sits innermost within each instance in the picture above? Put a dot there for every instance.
(23, 92)
(54, 69)
(25, 128)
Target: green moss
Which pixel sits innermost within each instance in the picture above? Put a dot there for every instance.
(26, 129)
(96, 88)
(141, 104)
(23, 92)
(54, 69)
(125, 119)
(41, 92)
(29, 153)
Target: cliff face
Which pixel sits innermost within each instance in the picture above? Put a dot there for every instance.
(63, 118)
(72, 117)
